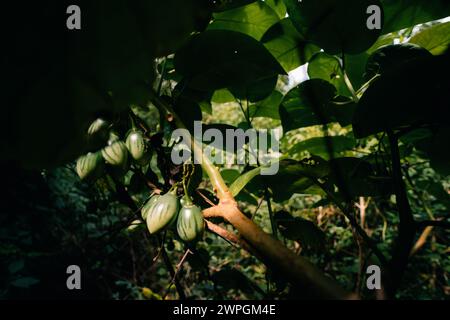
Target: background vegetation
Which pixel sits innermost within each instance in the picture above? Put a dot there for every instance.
(371, 108)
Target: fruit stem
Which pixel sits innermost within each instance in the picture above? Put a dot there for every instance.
(133, 124)
(214, 175)
(187, 198)
(173, 189)
(347, 81)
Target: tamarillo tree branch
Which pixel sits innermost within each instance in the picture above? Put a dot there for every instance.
(272, 252)
(228, 236)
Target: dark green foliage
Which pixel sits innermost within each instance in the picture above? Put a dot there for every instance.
(253, 19)
(422, 80)
(363, 158)
(287, 45)
(392, 56)
(307, 104)
(219, 59)
(404, 14)
(328, 68)
(301, 230)
(334, 26)
(296, 177)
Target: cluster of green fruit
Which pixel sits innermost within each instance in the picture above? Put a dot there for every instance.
(161, 212)
(116, 153)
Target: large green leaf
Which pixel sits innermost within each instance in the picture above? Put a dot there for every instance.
(268, 107)
(326, 67)
(223, 5)
(392, 56)
(304, 105)
(217, 59)
(335, 26)
(229, 175)
(257, 90)
(296, 176)
(400, 14)
(224, 136)
(189, 109)
(436, 150)
(435, 39)
(194, 98)
(414, 93)
(355, 65)
(182, 89)
(429, 144)
(240, 182)
(341, 110)
(222, 96)
(221, 129)
(301, 230)
(166, 24)
(288, 45)
(278, 6)
(319, 146)
(253, 19)
(356, 177)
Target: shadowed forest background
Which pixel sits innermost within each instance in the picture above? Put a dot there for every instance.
(364, 173)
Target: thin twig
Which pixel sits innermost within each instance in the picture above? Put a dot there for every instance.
(175, 281)
(257, 208)
(178, 268)
(205, 198)
(271, 217)
(161, 247)
(368, 240)
(163, 72)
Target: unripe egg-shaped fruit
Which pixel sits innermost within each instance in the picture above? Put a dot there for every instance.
(163, 213)
(190, 223)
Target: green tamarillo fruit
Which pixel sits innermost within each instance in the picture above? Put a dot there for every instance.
(146, 209)
(98, 126)
(190, 223)
(97, 134)
(90, 166)
(163, 213)
(136, 144)
(116, 153)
